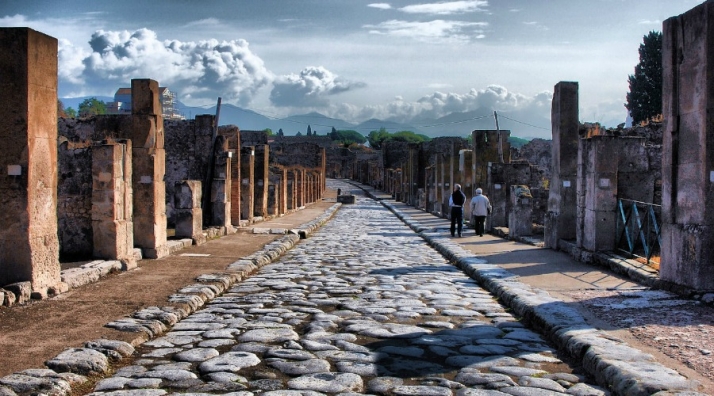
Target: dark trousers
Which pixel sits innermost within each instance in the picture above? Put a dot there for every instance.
(480, 222)
(457, 217)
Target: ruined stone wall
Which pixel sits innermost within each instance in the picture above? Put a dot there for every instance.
(322, 141)
(339, 162)
(307, 155)
(537, 152)
(188, 148)
(74, 200)
(253, 138)
(74, 185)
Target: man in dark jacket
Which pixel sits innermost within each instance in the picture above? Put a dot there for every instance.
(456, 203)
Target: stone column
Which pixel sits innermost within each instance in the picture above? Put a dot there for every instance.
(221, 188)
(300, 179)
(282, 191)
(112, 227)
(520, 216)
(497, 190)
(688, 147)
(236, 181)
(262, 177)
(292, 190)
(189, 215)
(148, 161)
(596, 225)
(466, 177)
(29, 247)
(560, 221)
(247, 163)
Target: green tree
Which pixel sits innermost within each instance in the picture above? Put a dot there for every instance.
(376, 138)
(348, 137)
(309, 130)
(644, 100)
(91, 107)
(268, 131)
(70, 112)
(409, 137)
(280, 132)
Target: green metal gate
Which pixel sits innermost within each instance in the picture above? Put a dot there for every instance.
(638, 229)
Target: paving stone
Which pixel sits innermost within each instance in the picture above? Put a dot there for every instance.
(517, 371)
(269, 335)
(415, 390)
(328, 382)
(79, 361)
(196, 355)
(542, 383)
(229, 361)
(170, 375)
(301, 367)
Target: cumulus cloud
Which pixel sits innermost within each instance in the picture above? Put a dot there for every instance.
(310, 88)
(198, 71)
(446, 7)
(381, 6)
(440, 104)
(435, 31)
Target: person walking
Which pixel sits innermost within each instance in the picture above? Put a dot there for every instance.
(480, 208)
(456, 203)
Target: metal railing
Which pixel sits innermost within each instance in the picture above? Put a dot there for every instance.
(638, 229)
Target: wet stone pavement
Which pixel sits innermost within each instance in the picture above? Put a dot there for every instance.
(362, 306)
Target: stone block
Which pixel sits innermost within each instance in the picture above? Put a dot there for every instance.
(189, 222)
(8, 298)
(188, 194)
(21, 290)
(347, 199)
(145, 97)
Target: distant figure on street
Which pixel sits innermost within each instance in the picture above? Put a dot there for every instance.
(456, 203)
(480, 208)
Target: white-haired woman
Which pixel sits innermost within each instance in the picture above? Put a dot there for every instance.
(480, 208)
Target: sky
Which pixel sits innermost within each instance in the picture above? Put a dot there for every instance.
(402, 60)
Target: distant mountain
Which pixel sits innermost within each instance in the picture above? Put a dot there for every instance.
(455, 124)
(375, 124)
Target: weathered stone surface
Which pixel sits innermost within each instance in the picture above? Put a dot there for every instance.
(328, 382)
(301, 367)
(230, 361)
(123, 348)
(80, 361)
(196, 355)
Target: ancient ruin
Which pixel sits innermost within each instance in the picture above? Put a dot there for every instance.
(122, 186)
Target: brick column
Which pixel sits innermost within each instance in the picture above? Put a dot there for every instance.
(112, 226)
(247, 173)
(29, 247)
(148, 161)
(688, 147)
(262, 178)
(560, 221)
(300, 188)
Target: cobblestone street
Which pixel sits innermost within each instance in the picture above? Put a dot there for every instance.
(362, 306)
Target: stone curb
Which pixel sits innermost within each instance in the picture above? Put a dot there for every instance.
(71, 366)
(614, 364)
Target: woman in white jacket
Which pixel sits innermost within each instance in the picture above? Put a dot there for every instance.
(480, 208)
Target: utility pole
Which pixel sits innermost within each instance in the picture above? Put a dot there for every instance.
(500, 139)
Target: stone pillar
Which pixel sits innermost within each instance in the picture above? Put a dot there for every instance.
(688, 147)
(466, 177)
(291, 196)
(29, 247)
(189, 215)
(489, 146)
(247, 163)
(148, 161)
(496, 189)
(236, 181)
(221, 187)
(596, 225)
(282, 191)
(300, 186)
(112, 227)
(560, 221)
(262, 177)
(520, 221)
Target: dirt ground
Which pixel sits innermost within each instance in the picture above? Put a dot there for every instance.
(33, 333)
